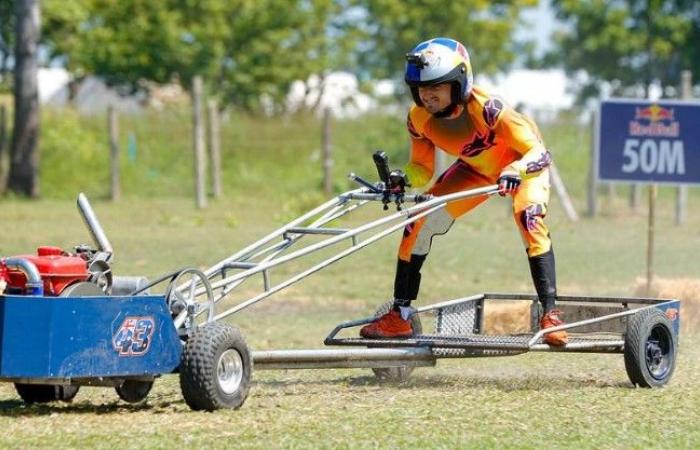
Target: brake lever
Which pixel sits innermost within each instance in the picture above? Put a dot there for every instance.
(358, 179)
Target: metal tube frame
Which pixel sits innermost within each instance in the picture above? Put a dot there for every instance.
(267, 253)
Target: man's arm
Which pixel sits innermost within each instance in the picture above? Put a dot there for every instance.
(523, 136)
(421, 166)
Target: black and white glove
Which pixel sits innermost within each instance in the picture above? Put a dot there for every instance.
(508, 182)
(398, 182)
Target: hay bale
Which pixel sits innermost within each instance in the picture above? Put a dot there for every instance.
(506, 317)
(687, 290)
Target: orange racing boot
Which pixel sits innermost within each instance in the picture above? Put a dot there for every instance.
(390, 325)
(549, 320)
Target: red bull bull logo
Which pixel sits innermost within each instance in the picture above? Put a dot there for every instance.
(653, 113)
(654, 121)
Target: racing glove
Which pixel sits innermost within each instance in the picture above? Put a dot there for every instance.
(398, 181)
(508, 182)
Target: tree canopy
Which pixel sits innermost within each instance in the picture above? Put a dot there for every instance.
(630, 42)
(244, 48)
(247, 49)
(394, 27)
(7, 38)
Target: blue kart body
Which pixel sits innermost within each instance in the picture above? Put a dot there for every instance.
(86, 337)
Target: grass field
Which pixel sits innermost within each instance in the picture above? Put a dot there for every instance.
(272, 173)
(527, 401)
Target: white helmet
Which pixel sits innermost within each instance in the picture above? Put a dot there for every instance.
(436, 61)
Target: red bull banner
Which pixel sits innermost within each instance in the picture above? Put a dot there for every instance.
(648, 142)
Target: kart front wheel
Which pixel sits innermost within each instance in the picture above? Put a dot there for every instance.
(216, 368)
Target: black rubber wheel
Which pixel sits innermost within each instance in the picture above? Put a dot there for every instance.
(67, 392)
(650, 349)
(216, 368)
(44, 393)
(134, 391)
(399, 374)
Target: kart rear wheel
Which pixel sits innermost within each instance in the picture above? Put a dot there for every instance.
(399, 374)
(134, 391)
(44, 393)
(216, 368)
(650, 349)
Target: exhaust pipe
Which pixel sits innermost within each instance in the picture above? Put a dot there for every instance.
(35, 285)
(98, 234)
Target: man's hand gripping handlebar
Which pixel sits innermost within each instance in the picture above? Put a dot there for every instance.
(395, 181)
(391, 188)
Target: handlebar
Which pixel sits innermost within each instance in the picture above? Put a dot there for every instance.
(381, 197)
(376, 193)
(374, 188)
(382, 191)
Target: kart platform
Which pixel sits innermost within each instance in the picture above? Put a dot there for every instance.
(595, 324)
(612, 343)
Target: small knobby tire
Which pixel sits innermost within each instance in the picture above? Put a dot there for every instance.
(134, 391)
(216, 368)
(650, 348)
(45, 393)
(399, 374)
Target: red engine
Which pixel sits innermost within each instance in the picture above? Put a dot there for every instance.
(58, 269)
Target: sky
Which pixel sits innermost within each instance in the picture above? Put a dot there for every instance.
(541, 25)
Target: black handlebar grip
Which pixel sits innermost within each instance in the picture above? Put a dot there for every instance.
(381, 160)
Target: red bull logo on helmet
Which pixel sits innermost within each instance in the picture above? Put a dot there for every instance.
(654, 121)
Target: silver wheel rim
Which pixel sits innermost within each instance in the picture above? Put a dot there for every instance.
(229, 371)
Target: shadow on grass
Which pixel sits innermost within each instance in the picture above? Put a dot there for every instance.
(17, 408)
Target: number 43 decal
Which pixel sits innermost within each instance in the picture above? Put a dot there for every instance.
(133, 338)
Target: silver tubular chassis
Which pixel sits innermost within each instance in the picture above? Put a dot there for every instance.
(599, 324)
(203, 294)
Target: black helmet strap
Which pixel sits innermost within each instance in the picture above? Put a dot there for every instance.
(447, 112)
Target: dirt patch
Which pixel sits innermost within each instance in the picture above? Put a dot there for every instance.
(687, 290)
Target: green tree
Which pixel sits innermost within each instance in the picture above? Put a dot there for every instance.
(124, 41)
(249, 49)
(262, 46)
(393, 27)
(7, 30)
(629, 43)
(24, 154)
(243, 48)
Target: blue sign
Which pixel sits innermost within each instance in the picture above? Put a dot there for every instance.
(648, 142)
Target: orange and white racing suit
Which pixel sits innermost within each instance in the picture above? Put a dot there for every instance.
(487, 137)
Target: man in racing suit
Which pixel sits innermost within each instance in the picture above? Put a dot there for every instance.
(494, 144)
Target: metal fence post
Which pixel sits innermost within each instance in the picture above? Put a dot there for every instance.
(198, 142)
(115, 182)
(682, 191)
(592, 182)
(635, 196)
(327, 154)
(215, 148)
(560, 189)
(3, 145)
